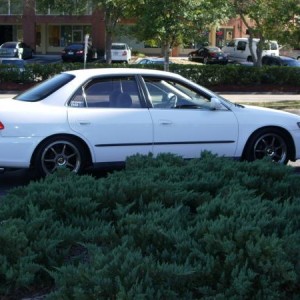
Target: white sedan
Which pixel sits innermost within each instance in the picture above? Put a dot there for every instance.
(99, 117)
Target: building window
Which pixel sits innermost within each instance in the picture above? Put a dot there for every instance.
(61, 36)
(11, 7)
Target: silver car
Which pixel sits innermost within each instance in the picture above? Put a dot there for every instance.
(16, 49)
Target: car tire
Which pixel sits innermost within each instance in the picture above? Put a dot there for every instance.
(268, 142)
(59, 152)
(298, 58)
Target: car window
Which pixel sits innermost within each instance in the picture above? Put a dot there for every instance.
(231, 44)
(45, 88)
(241, 45)
(115, 92)
(273, 46)
(166, 93)
(118, 47)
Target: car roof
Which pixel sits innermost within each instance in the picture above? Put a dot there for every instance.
(282, 57)
(121, 71)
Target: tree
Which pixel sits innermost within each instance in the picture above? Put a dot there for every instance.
(63, 6)
(170, 23)
(114, 11)
(268, 20)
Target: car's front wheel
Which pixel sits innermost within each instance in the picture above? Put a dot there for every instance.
(59, 152)
(270, 143)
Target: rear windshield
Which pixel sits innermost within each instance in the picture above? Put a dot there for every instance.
(75, 46)
(118, 47)
(45, 88)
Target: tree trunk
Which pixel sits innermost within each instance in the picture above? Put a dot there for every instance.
(166, 49)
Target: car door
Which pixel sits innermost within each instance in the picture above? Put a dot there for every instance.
(110, 115)
(185, 124)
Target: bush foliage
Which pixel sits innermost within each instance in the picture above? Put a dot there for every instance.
(206, 75)
(162, 228)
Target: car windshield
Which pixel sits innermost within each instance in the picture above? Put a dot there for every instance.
(76, 46)
(9, 45)
(45, 88)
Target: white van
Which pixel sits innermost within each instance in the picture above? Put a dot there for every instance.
(238, 49)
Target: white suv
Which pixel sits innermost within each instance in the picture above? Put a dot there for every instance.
(238, 49)
(120, 52)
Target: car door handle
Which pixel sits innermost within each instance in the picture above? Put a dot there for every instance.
(165, 122)
(84, 123)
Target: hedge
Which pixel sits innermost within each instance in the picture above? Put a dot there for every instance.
(206, 75)
(162, 228)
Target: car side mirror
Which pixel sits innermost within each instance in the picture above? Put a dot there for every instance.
(215, 104)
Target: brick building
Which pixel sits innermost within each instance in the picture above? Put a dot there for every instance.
(50, 31)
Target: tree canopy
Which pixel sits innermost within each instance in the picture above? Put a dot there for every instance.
(268, 20)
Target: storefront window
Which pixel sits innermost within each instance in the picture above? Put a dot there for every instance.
(54, 36)
(61, 36)
(11, 7)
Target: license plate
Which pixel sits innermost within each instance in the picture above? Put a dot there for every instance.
(70, 52)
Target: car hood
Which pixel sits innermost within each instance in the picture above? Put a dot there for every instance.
(266, 116)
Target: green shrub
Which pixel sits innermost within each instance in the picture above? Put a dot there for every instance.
(163, 228)
(206, 75)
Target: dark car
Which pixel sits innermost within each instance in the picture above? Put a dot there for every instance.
(208, 55)
(16, 49)
(280, 61)
(75, 53)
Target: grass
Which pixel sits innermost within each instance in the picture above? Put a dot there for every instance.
(282, 105)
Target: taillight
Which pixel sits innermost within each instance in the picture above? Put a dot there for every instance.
(1, 126)
(124, 53)
(79, 52)
(213, 54)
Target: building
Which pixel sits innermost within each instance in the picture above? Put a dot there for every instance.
(48, 32)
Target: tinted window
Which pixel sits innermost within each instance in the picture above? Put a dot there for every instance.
(116, 92)
(241, 45)
(45, 88)
(230, 44)
(118, 47)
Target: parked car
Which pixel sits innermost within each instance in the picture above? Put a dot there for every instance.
(280, 61)
(238, 49)
(152, 60)
(16, 49)
(270, 60)
(120, 52)
(75, 53)
(99, 117)
(208, 54)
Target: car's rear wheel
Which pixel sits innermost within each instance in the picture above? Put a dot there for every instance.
(270, 143)
(57, 153)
